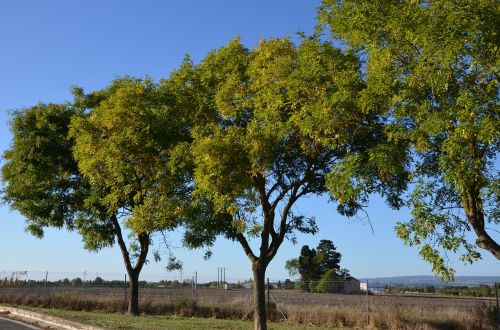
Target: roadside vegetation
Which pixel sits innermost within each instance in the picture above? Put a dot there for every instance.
(151, 322)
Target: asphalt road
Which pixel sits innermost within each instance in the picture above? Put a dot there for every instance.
(6, 324)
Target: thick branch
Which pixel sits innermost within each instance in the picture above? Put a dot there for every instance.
(485, 241)
(121, 243)
(476, 219)
(144, 244)
(267, 230)
(277, 240)
(246, 247)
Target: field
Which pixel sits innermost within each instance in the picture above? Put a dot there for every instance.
(286, 306)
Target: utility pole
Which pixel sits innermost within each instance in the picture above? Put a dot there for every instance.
(45, 286)
(125, 288)
(496, 296)
(192, 290)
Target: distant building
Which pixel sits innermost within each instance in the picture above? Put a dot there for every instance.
(351, 285)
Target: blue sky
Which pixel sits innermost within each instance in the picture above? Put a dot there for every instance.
(49, 46)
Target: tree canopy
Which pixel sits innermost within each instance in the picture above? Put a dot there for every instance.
(433, 67)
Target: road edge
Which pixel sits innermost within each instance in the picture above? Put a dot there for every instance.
(27, 316)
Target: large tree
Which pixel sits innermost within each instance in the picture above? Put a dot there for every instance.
(111, 172)
(434, 67)
(123, 141)
(280, 117)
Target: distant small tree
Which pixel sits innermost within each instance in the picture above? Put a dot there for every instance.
(98, 280)
(327, 256)
(314, 264)
(308, 267)
(76, 281)
(327, 282)
(430, 289)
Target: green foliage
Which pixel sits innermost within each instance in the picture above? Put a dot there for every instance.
(261, 144)
(327, 282)
(112, 158)
(481, 290)
(123, 141)
(76, 281)
(476, 291)
(327, 256)
(42, 181)
(40, 140)
(432, 67)
(309, 268)
(275, 120)
(292, 266)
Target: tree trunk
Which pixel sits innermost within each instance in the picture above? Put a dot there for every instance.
(133, 299)
(133, 272)
(259, 296)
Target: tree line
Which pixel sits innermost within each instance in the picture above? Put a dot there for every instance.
(407, 108)
(481, 290)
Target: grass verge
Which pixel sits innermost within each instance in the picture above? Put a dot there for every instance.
(122, 321)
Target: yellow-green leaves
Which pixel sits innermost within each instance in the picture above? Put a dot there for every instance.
(432, 68)
(124, 143)
(280, 113)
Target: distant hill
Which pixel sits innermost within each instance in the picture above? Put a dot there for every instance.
(423, 280)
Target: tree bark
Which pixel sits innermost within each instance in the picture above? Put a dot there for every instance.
(259, 296)
(133, 299)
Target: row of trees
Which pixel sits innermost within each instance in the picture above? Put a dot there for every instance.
(481, 290)
(227, 146)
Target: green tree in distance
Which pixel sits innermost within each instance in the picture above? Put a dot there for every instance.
(318, 268)
(434, 66)
(327, 256)
(278, 119)
(308, 268)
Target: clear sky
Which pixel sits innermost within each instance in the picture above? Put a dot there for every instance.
(48, 46)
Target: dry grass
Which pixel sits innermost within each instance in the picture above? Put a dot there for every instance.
(386, 312)
(412, 318)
